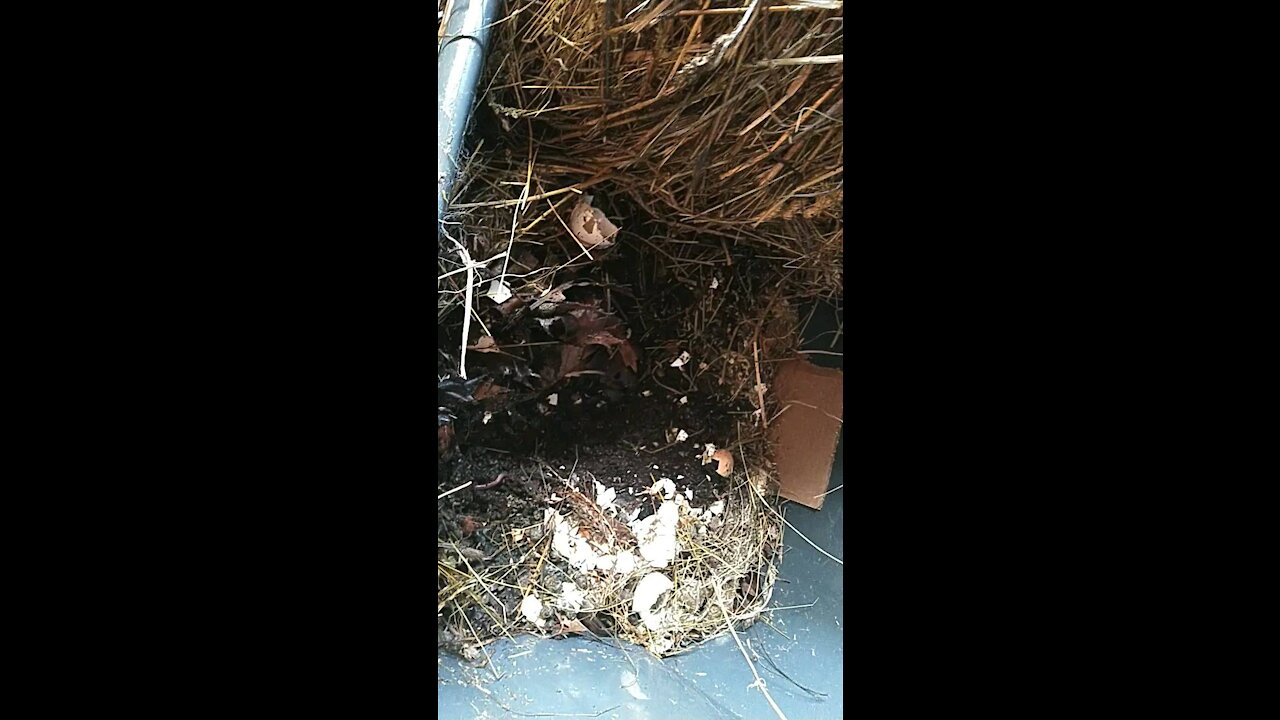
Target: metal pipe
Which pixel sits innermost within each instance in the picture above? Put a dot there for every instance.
(458, 62)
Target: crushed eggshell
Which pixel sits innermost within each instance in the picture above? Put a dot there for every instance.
(487, 417)
(553, 399)
(648, 590)
(605, 496)
(646, 393)
(682, 436)
(626, 562)
(680, 361)
(724, 458)
(569, 544)
(664, 486)
(531, 608)
(717, 507)
(715, 283)
(656, 535)
(684, 400)
(571, 597)
(590, 225)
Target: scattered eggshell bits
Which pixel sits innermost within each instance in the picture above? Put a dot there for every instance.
(647, 591)
(531, 608)
(589, 225)
(725, 460)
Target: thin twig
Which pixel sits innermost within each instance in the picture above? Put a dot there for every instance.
(577, 188)
(492, 668)
(759, 683)
(463, 486)
(455, 271)
(791, 607)
(802, 535)
(815, 497)
(466, 318)
(812, 60)
(759, 385)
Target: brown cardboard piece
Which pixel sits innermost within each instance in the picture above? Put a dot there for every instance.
(805, 434)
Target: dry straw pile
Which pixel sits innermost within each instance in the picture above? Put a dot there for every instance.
(720, 121)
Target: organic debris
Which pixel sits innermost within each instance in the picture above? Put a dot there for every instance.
(724, 462)
(591, 227)
(604, 458)
(633, 557)
(720, 122)
(579, 484)
(599, 443)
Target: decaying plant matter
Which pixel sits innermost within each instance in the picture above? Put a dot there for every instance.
(653, 188)
(718, 118)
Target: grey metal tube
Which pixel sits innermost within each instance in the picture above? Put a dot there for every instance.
(458, 63)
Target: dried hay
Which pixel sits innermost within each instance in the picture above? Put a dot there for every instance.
(720, 123)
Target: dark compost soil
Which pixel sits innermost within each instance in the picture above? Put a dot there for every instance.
(577, 381)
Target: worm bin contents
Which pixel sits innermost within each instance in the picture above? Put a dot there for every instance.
(652, 194)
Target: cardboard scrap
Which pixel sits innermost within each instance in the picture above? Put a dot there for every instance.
(805, 435)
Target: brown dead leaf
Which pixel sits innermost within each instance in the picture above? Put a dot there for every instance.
(590, 318)
(587, 326)
(628, 353)
(512, 305)
(603, 338)
(570, 360)
(725, 460)
(484, 344)
(488, 390)
(570, 626)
